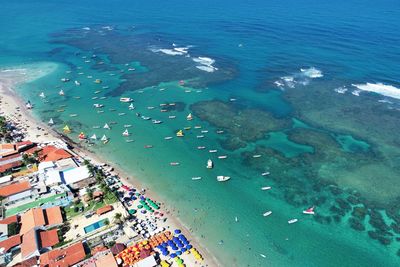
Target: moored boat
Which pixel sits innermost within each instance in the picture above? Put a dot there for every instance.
(125, 133)
(221, 178)
(267, 213)
(309, 211)
(222, 157)
(210, 164)
(51, 122)
(292, 221)
(265, 188)
(189, 117)
(180, 133)
(125, 99)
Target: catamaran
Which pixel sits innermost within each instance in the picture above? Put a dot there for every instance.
(61, 93)
(189, 117)
(125, 133)
(51, 122)
(221, 178)
(309, 211)
(210, 164)
(126, 99)
(106, 126)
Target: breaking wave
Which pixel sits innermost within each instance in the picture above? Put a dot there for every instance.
(379, 88)
(303, 78)
(205, 64)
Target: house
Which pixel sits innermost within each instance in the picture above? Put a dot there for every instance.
(16, 192)
(78, 177)
(64, 257)
(37, 217)
(34, 242)
(11, 154)
(104, 209)
(106, 259)
(52, 153)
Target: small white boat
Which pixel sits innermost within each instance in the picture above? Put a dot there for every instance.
(210, 164)
(125, 133)
(105, 87)
(131, 107)
(98, 105)
(197, 127)
(293, 221)
(42, 95)
(94, 137)
(121, 114)
(200, 136)
(100, 111)
(257, 156)
(189, 117)
(236, 219)
(103, 97)
(97, 92)
(96, 127)
(309, 211)
(267, 213)
(265, 173)
(64, 80)
(61, 93)
(196, 178)
(156, 122)
(213, 151)
(73, 115)
(162, 89)
(221, 178)
(204, 131)
(131, 69)
(129, 140)
(106, 126)
(171, 117)
(262, 255)
(127, 125)
(174, 163)
(265, 188)
(168, 137)
(150, 108)
(222, 157)
(126, 99)
(95, 97)
(51, 122)
(77, 83)
(201, 147)
(145, 118)
(220, 132)
(232, 99)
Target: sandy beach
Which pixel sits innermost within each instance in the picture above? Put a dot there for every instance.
(13, 107)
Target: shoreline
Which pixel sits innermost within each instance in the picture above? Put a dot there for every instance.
(12, 106)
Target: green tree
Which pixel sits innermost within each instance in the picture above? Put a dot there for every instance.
(89, 193)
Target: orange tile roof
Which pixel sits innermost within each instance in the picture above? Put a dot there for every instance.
(104, 209)
(9, 220)
(27, 263)
(9, 166)
(107, 260)
(63, 257)
(48, 238)
(8, 146)
(52, 153)
(14, 188)
(54, 215)
(32, 218)
(10, 242)
(29, 243)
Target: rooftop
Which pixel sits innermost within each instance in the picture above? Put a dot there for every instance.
(10, 242)
(48, 238)
(52, 153)
(29, 244)
(14, 188)
(63, 257)
(37, 217)
(104, 209)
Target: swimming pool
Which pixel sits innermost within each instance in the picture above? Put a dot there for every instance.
(95, 226)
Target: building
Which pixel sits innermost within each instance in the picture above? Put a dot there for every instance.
(64, 257)
(52, 153)
(16, 192)
(35, 242)
(78, 177)
(8, 248)
(104, 209)
(11, 154)
(38, 218)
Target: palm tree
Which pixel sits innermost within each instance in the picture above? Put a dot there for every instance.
(118, 218)
(89, 193)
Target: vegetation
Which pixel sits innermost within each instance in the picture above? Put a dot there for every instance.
(13, 229)
(118, 219)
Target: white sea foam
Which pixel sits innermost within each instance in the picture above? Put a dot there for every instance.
(380, 88)
(108, 28)
(356, 92)
(205, 64)
(312, 73)
(86, 28)
(176, 51)
(341, 90)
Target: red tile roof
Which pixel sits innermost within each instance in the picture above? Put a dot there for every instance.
(48, 238)
(104, 209)
(10, 242)
(29, 244)
(31, 219)
(9, 220)
(27, 263)
(54, 216)
(14, 188)
(107, 260)
(52, 153)
(63, 257)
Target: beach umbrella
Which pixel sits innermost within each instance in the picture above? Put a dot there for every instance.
(177, 231)
(189, 247)
(178, 253)
(183, 250)
(173, 255)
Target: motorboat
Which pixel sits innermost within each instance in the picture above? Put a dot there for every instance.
(189, 117)
(125, 99)
(64, 80)
(121, 114)
(213, 151)
(197, 127)
(220, 132)
(97, 92)
(180, 133)
(204, 131)
(174, 163)
(293, 221)
(236, 219)
(265, 173)
(171, 117)
(98, 105)
(221, 178)
(201, 147)
(168, 137)
(222, 157)
(61, 93)
(148, 146)
(129, 140)
(125, 133)
(187, 128)
(262, 255)
(267, 213)
(157, 122)
(95, 97)
(266, 188)
(196, 178)
(257, 156)
(200, 136)
(127, 125)
(98, 81)
(145, 118)
(96, 127)
(309, 211)
(210, 164)
(73, 115)
(150, 108)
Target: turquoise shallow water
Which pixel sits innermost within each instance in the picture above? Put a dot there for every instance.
(253, 44)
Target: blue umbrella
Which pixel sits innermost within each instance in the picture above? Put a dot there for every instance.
(173, 255)
(183, 250)
(189, 247)
(164, 244)
(174, 248)
(177, 231)
(180, 245)
(165, 253)
(178, 253)
(186, 242)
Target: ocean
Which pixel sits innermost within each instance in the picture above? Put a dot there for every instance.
(307, 91)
